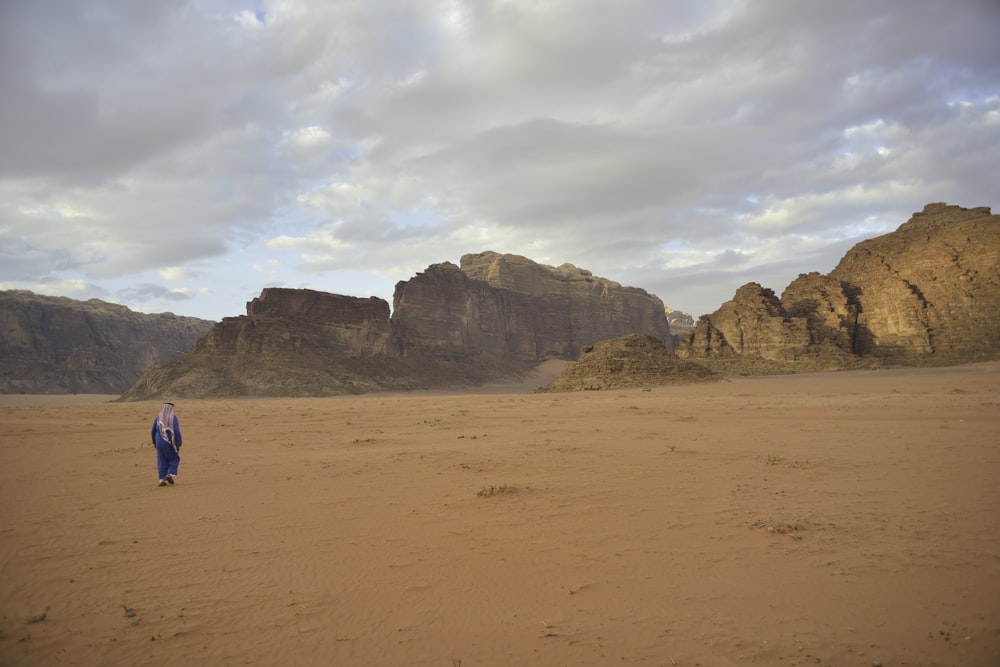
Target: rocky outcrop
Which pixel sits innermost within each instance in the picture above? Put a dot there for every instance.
(753, 323)
(291, 342)
(491, 319)
(826, 310)
(508, 306)
(928, 293)
(627, 362)
(567, 298)
(56, 345)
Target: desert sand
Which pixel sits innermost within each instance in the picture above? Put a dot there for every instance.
(830, 519)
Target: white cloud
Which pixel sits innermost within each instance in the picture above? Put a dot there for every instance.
(71, 288)
(336, 197)
(677, 146)
(249, 20)
(173, 273)
(309, 136)
(316, 246)
(190, 291)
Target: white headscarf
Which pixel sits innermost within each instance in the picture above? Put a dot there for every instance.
(165, 422)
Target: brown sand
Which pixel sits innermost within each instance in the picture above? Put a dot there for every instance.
(833, 519)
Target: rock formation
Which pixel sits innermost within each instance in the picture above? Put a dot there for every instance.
(509, 306)
(928, 293)
(493, 318)
(631, 361)
(56, 345)
(291, 342)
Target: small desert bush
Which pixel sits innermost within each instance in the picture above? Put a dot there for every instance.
(488, 491)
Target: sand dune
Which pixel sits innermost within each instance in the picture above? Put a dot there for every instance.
(836, 519)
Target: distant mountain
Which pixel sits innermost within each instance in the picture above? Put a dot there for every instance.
(680, 318)
(681, 324)
(56, 345)
(927, 293)
(491, 319)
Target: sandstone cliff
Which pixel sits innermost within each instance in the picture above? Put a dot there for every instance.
(509, 306)
(928, 293)
(56, 345)
(493, 318)
(291, 342)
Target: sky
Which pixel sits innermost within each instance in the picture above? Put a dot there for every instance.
(182, 156)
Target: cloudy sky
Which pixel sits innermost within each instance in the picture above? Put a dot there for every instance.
(181, 156)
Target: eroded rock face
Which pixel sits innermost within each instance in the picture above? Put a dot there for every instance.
(56, 345)
(510, 306)
(450, 326)
(927, 293)
(291, 342)
(284, 320)
(753, 323)
(444, 315)
(930, 291)
(827, 311)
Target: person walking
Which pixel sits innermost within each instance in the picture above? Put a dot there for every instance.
(166, 436)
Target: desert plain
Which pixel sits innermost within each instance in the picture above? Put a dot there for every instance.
(840, 519)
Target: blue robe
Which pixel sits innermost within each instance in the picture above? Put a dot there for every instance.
(167, 454)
